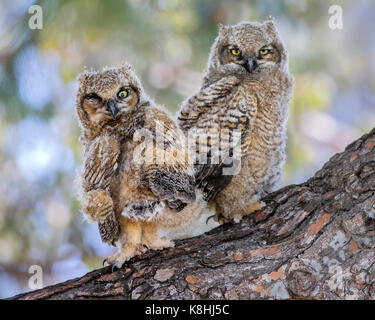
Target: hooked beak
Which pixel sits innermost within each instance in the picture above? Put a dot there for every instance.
(112, 108)
(250, 65)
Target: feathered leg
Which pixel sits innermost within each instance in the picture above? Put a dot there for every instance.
(130, 243)
(151, 239)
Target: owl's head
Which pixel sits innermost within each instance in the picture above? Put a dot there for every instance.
(247, 48)
(104, 97)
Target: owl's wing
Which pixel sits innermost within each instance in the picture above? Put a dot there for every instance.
(166, 170)
(216, 111)
(171, 184)
(109, 229)
(100, 162)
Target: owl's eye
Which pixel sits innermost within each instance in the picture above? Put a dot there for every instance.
(123, 94)
(235, 52)
(263, 52)
(93, 96)
(93, 100)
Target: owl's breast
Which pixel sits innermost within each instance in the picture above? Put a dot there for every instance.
(265, 141)
(126, 180)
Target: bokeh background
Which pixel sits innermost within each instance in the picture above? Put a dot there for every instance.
(167, 41)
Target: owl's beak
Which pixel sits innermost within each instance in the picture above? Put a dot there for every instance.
(250, 65)
(112, 108)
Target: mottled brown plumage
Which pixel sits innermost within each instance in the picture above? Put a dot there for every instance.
(135, 164)
(247, 87)
(101, 143)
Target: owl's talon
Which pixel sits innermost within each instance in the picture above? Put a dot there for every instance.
(115, 267)
(236, 220)
(256, 206)
(224, 221)
(210, 217)
(221, 219)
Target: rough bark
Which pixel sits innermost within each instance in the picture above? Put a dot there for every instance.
(315, 240)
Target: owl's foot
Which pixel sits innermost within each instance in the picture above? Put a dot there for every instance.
(248, 210)
(159, 244)
(127, 252)
(99, 205)
(109, 261)
(237, 217)
(254, 207)
(221, 218)
(210, 217)
(152, 240)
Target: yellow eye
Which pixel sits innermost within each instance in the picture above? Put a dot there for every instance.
(123, 94)
(235, 52)
(263, 52)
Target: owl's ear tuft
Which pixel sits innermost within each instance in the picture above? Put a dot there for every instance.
(222, 28)
(271, 19)
(82, 77)
(270, 22)
(271, 26)
(85, 74)
(126, 67)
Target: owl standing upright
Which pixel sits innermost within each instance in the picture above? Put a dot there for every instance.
(247, 89)
(136, 165)
(101, 151)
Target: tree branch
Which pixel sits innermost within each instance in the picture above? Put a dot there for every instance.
(315, 240)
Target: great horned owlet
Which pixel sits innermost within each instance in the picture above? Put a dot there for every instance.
(246, 90)
(101, 151)
(136, 164)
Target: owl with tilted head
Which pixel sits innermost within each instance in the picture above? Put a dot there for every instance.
(243, 108)
(136, 182)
